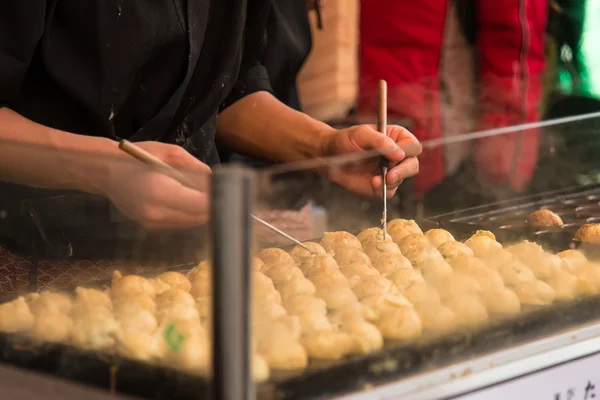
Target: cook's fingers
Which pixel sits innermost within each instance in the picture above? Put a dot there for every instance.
(377, 187)
(407, 168)
(412, 148)
(170, 204)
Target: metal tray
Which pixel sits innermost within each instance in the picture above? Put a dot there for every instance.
(322, 379)
(508, 220)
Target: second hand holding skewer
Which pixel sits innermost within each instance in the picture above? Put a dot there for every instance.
(158, 164)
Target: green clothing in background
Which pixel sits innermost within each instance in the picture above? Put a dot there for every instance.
(576, 32)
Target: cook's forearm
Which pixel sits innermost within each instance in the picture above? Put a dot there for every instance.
(261, 126)
(35, 155)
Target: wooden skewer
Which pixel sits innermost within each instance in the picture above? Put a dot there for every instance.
(382, 127)
(152, 161)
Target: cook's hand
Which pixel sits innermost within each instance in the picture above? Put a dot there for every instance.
(155, 200)
(400, 147)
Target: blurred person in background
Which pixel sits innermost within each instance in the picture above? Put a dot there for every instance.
(454, 67)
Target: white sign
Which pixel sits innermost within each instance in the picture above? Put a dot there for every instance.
(575, 380)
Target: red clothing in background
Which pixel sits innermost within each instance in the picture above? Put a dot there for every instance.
(447, 85)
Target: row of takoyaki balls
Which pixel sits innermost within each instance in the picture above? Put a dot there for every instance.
(344, 296)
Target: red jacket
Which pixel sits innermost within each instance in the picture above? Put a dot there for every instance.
(448, 86)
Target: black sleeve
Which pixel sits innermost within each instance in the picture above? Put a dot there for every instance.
(253, 75)
(21, 27)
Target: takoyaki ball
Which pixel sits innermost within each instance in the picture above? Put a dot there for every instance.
(139, 302)
(400, 323)
(159, 286)
(482, 232)
(367, 338)
(546, 266)
(372, 285)
(201, 283)
(260, 368)
(258, 265)
(496, 258)
(50, 302)
(435, 269)
(438, 236)
(274, 256)
(177, 312)
(52, 327)
(328, 345)
(175, 280)
(193, 354)
(377, 250)
(405, 277)
(303, 303)
(572, 259)
(451, 250)
(421, 293)
(82, 310)
(526, 250)
(296, 287)
(283, 272)
(311, 322)
(359, 270)
(173, 328)
(94, 332)
(352, 311)
(332, 241)
(589, 233)
(534, 293)
(400, 228)
(514, 272)
(263, 288)
(268, 309)
(542, 264)
(287, 327)
(381, 302)
(589, 278)
(349, 256)
(92, 298)
(319, 265)
(337, 296)
(130, 285)
(175, 297)
(417, 255)
(412, 240)
(544, 218)
(390, 263)
(456, 285)
(138, 320)
(437, 320)
(329, 278)
(482, 245)
(299, 253)
(564, 284)
(474, 268)
(143, 346)
(204, 307)
(500, 302)
(15, 316)
(469, 311)
(372, 234)
(285, 355)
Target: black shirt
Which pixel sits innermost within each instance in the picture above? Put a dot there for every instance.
(138, 69)
(289, 42)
